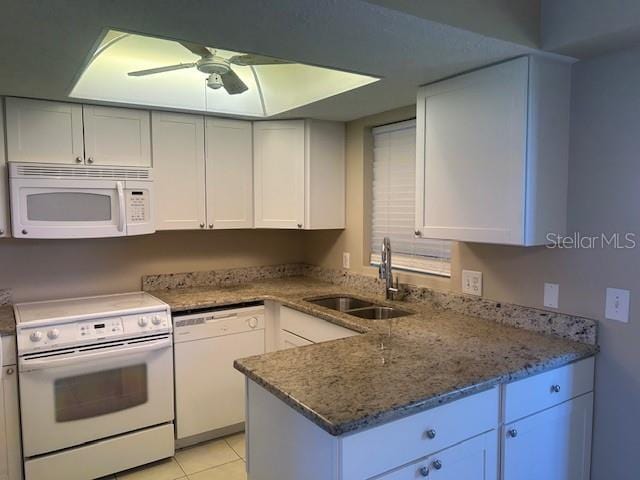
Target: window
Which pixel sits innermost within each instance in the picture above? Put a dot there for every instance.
(394, 178)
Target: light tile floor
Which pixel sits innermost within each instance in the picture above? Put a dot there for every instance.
(222, 459)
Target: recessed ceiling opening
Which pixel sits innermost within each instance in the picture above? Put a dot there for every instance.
(142, 70)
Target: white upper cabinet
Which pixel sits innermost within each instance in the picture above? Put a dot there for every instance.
(179, 170)
(492, 154)
(279, 157)
(4, 182)
(44, 132)
(117, 136)
(299, 170)
(229, 167)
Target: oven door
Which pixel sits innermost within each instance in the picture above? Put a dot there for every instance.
(62, 208)
(94, 392)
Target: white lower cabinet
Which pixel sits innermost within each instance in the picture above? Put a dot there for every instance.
(459, 440)
(289, 340)
(554, 444)
(303, 327)
(10, 452)
(474, 459)
(4, 181)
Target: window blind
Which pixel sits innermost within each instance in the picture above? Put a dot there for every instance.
(394, 172)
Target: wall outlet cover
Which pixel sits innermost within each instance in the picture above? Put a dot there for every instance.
(617, 305)
(472, 282)
(346, 260)
(551, 295)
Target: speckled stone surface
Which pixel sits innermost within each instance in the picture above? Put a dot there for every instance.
(553, 323)
(5, 296)
(7, 321)
(431, 357)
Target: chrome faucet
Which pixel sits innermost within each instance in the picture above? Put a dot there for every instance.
(385, 271)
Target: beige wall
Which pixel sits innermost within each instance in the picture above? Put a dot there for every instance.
(604, 196)
(42, 269)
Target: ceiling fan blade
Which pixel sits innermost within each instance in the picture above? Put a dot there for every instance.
(169, 68)
(232, 83)
(250, 59)
(198, 49)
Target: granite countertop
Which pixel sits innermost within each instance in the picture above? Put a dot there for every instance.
(7, 321)
(431, 357)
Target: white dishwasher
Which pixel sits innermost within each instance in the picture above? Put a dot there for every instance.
(209, 392)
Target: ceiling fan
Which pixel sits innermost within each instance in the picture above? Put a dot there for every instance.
(218, 68)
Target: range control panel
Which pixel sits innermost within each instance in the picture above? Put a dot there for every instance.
(90, 331)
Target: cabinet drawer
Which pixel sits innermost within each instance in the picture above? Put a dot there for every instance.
(8, 350)
(312, 328)
(371, 452)
(545, 390)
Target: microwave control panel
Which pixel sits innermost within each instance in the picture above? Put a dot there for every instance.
(138, 206)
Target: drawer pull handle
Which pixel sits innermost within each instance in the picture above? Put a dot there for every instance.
(555, 388)
(437, 464)
(513, 433)
(431, 433)
(424, 471)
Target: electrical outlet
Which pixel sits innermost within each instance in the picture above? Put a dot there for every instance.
(617, 305)
(346, 260)
(472, 282)
(551, 295)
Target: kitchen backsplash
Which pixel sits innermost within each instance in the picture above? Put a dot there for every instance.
(553, 323)
(5, 296)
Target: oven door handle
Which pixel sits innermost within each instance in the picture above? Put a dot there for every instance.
(44, 363)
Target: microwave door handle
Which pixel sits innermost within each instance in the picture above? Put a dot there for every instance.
(121, 209)
(28, 365)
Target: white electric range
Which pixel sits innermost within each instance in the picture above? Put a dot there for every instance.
(96, 385)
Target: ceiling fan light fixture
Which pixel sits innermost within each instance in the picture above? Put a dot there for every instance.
(215, 81)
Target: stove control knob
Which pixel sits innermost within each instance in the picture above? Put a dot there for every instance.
(36, 336)
(53, 334)
(156, 320)
(143, 322)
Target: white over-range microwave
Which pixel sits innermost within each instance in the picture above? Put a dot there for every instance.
(67, 201)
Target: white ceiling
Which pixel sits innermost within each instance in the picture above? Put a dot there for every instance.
(43, 44)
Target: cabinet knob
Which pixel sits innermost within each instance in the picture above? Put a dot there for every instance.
(513, 433)
(1, 231)
(555, 388)
(202, 225)
(89, 160)
(299, 225)
(431, 433)
(78, 159)
(424, 471)
(417, 233)
(10, 371)
(24, 232)
(211, 225)
(437, 464)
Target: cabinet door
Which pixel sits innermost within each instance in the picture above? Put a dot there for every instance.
(279, 158)
(474, 459)
(554, 444)
(117, 136)
(4, 181)
(44, 132)
(471, 156)
(10, 454)
(229, 154)
(178, 170)
(289, 340)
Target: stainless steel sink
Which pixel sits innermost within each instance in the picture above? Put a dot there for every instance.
(342, 304)
(378, 313)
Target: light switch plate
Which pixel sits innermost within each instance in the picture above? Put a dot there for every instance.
(551, 295)
(617, 305)
(472, 282)
(346, 260)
